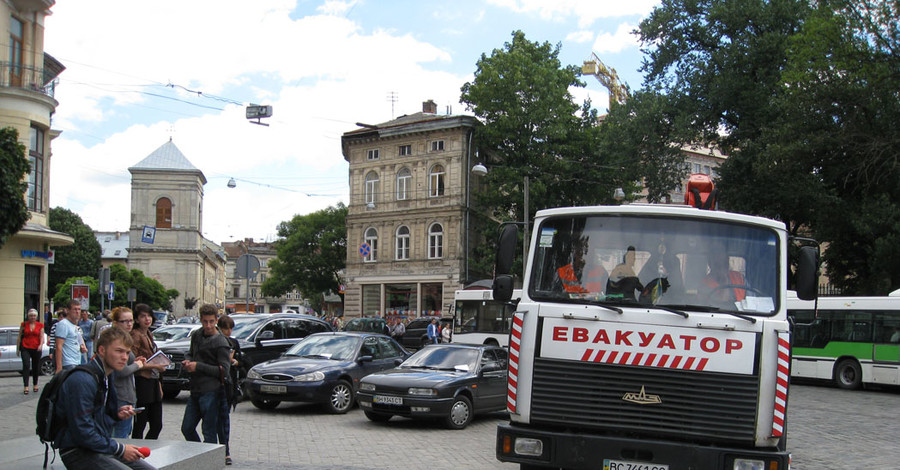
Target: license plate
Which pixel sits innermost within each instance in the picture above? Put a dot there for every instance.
(387, 400)
(273, 388)
(629, 465)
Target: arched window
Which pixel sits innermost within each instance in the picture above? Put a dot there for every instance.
(371, 187)
(435, 241)
(404, 184)
(436, 181)
(402, 243)
(164, 213)
(371, 239)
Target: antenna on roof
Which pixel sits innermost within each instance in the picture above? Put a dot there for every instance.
(393, 97)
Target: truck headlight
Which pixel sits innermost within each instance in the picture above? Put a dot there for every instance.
(531, 447)
(426, 392)
(313, 377)
(749, 464)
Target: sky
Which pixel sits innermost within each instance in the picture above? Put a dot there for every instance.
(141, 72)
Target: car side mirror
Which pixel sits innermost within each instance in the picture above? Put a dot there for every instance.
(365, 359)
(268, 334)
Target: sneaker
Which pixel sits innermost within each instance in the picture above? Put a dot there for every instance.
(227, 460)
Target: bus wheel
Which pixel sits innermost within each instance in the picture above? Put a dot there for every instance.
(848, 375)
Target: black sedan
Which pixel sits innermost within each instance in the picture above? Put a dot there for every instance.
(323, 368)
(452, 382)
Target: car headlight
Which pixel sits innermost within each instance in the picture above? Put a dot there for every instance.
(313, 377)
(428, 392)
(367, 387)
(253, 374)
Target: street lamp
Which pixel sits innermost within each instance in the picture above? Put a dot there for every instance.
(481, 170)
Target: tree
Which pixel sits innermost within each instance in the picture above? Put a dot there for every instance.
(310, 255)
(81, 259)
(13, 210)
(148, 291)
(533, 128)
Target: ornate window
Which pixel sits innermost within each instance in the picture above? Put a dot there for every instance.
(35, 192)
(436, 181)
(435, 241)
(402, 243)
(404, 184)
(371, 187)
(371, 239)
(164, 213)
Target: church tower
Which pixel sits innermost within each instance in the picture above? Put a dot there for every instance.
(167, 197)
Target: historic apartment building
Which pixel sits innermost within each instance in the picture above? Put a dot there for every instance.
(240, 292)
(406, 223)
(166, 235)
(28, 77)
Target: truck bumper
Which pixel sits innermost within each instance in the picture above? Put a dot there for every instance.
(573, 450)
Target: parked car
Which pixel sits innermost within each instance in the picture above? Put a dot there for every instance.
(372, 325)
(452, 382)
(416, 335)
(160, 319)
(323, 368)
(262, 337)
(8, 359)
(170, 333)
(188, 319)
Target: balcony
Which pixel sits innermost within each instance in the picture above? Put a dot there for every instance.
(42, 80)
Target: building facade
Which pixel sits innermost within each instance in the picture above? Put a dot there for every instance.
(241, 293)
(407, 225)
(28, 77)
(113, 247)
(165, 238)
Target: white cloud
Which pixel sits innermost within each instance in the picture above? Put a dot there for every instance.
(580, 36)
(587, 12)
(622, 39)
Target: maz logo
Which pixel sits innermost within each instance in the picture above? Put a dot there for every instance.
(642, 398)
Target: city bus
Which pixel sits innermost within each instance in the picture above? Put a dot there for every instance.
(850, 340)
(479, 319)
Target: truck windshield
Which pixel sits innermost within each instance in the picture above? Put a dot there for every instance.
(691, 264)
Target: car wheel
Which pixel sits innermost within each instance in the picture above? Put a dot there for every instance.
(265, 404)
(460, 413)
(848, 374)
(341, 398)
(377, 417)
(170, 393)
(47, 366)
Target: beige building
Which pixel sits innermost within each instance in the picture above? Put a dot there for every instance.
(28, 77)
(407, 224)
(237, 295)
(166, 235)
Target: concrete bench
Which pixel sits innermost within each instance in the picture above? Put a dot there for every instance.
(28, 453)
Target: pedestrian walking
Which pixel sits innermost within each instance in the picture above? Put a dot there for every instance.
(123, 319)
(433, 333)
(147, 386)
(85, 441)
(446, 333)
(85, 323)
(29, 345)
(232, 387)
(99, 325)
(208, 361)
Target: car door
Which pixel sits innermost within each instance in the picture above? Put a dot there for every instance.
(271, 341)
(8, 358)
(492, 383)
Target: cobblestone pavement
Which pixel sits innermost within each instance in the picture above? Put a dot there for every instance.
(827, 429)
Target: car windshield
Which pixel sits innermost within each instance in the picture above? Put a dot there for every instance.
(443, 358)
(677, 263)
(171, 334)
(245, 326)
(340, 348)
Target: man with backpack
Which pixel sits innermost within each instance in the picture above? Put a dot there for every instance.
(87, 404)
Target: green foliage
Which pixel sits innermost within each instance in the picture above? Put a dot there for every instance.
(13, 210)
(148, 291)
(532, 127)
(311, 253)
(81, 259)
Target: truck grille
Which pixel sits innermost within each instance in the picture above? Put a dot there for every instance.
(693, 406)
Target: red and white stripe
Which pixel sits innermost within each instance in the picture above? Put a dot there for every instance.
(667, 361)
(781, 387)
(515, 343)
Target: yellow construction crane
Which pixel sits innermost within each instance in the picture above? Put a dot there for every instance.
(618, 92)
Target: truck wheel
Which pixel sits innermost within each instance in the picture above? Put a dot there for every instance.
(848, 374)
(460, 413)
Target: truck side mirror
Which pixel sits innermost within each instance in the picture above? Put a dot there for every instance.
(503, 287)
(506, 249)
(806, 277)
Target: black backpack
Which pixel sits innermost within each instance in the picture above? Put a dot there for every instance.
(49, 424)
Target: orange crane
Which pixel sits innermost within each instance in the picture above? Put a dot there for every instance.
(618, 92)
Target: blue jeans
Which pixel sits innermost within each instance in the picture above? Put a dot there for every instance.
(202, 406)
(82, 458)
(122, 429)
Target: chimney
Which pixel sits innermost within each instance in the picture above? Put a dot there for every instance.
(429, 107)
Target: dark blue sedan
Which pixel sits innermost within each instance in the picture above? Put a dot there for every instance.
(323, 368)
(452, 382)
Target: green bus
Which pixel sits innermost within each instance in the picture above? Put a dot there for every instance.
(850, 340)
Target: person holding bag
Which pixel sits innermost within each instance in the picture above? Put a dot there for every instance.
(29, 346)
